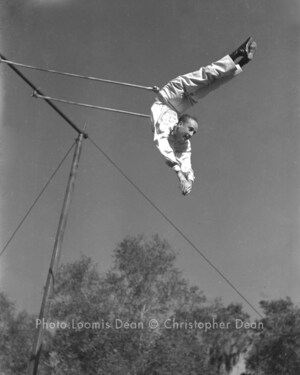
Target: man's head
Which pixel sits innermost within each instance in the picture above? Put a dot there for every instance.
(187, 126)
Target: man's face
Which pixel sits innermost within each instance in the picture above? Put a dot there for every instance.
(185, 130)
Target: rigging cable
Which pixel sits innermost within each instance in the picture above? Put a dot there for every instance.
(176, 228)
(36, 200)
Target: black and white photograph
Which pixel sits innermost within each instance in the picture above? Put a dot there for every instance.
(149, 187)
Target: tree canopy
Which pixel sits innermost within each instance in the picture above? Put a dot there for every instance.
(144, 287)
(16, 333)
(143, 317)
(276, 350)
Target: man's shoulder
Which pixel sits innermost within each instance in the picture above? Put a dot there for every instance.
(169, 117)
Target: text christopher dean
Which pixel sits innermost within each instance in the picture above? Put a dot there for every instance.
(150, 324)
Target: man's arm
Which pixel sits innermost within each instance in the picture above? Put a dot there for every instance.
(185, 185)
(166, 151)
(187, 171)
(185, 179)
(162, 127)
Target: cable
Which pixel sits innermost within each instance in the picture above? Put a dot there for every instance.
(154, 88)
(176, 228)
(38, 96)
(35, 201)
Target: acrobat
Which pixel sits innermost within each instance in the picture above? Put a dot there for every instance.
(172, 128)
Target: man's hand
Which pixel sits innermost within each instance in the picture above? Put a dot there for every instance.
(186, 186)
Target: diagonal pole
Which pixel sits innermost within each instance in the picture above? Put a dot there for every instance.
(53, 106)
(35, 355)
(37, 348)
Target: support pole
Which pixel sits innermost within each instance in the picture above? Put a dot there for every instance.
(53, 106)
(35, 355)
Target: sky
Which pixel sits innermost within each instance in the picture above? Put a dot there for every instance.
(243, 212)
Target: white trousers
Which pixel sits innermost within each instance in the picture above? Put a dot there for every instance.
(186, 90)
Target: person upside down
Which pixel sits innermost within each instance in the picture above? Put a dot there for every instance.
(172, 127)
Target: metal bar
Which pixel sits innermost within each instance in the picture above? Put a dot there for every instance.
(34, 358)
(36, 95)
(53, 106)
(154, 88)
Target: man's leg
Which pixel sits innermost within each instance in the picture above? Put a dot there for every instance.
(185, 91)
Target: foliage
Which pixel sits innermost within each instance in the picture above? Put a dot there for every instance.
(144, 284)
(100, 324)
(276, 350)
(16, 331)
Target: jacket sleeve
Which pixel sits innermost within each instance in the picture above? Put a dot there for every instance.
(186, 164)
(162, 129)
(163, 145)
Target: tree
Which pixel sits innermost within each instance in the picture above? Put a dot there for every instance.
(226, 343)
(16, 332)
(143, 318)
(276, 350)
(213, 336)
(102, 322)
(143, 284)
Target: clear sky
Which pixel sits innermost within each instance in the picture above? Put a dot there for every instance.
(243, 213)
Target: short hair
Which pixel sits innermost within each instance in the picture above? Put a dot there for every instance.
(185, 117)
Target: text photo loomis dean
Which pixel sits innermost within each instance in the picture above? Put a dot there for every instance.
(149, 194)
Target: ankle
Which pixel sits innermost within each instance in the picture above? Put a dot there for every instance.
(235, 55)
(243, 61)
